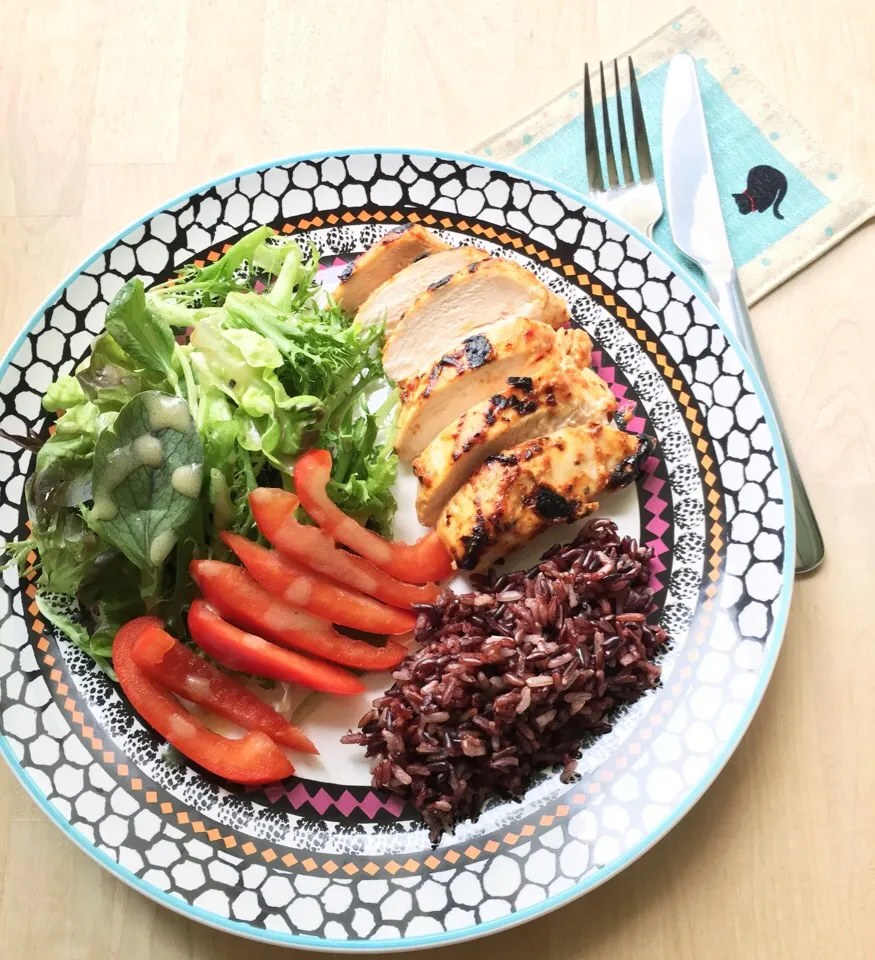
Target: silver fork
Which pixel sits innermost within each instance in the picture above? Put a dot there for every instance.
(636, 201)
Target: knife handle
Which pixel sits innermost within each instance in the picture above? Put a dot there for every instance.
(729, 299)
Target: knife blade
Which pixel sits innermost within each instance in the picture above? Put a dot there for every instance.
(699, 231)
(690, 185)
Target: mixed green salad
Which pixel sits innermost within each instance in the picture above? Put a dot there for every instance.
(214, 382)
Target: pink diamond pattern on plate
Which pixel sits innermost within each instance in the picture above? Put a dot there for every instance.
(655, 505)
(657, 525)
(346, 803)
(274, 791)
(653, 484)
(338, 264)
(299, 796)
(322, 801)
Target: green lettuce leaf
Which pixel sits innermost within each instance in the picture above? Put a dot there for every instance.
(140, 332)
(67, 548)
(109, 596)
(61, 481)
(62, 612)
(196, 291)
(271, 254)
(364, 465)
(109, 377)
(147, 478)
(242, 364)
(63, 394)
(217, 429)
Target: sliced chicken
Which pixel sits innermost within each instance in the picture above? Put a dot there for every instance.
(464, 303)
(395, 251)
(395, 296)
(564, 394)
(517, 494)
(473, 371)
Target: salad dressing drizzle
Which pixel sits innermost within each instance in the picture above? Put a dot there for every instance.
(187, 480)
(166, 412)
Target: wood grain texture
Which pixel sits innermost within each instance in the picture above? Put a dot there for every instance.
(112, 107)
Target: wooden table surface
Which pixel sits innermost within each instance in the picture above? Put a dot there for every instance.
(112, 106)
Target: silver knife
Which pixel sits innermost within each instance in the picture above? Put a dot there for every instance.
(699, 232)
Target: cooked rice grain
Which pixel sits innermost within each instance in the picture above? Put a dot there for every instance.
(508, 681)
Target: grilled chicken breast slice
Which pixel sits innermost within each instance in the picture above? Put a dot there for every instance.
(517, 494)
(472, 371)
(396, 250)
(456, 306)
(396, 295)
(564, 395)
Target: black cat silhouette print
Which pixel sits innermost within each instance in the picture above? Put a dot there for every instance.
(765, 186)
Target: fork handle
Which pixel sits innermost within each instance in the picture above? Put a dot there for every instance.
(725, 291)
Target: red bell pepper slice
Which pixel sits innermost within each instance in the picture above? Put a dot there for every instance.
(274, 512)
(238, 650)
(254, 759)
(176, 666)
(238, 598)
(303, 588)
(420, 562)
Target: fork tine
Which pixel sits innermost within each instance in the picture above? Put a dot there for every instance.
(593, 163)
(621, 121)
(642, 147)
(613, 180)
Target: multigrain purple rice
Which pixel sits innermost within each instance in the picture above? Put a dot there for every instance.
(508, 681)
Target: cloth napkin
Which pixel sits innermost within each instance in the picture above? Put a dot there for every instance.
(785, 201)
